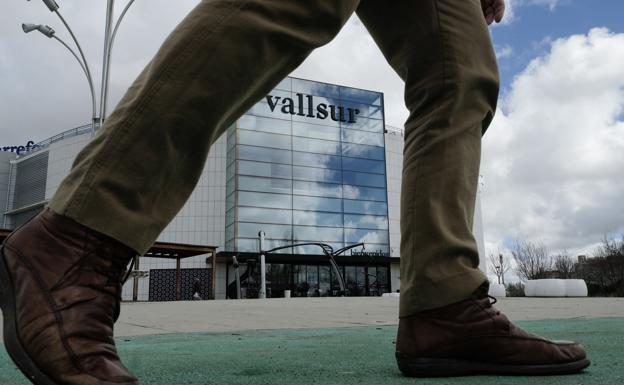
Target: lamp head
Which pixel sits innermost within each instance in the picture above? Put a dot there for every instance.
(28, 27)
(51, 4)
(44, 29)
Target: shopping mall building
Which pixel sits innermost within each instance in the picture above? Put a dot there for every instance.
(310, 163)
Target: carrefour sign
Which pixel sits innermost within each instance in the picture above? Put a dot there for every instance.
(319, 111)
(30, 145)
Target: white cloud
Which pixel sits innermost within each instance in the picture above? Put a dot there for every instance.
(554, 156)
(504, 52)
(551, 4)
(512, 5)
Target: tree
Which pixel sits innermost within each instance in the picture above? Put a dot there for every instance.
(500, 265)
(604, 273)
(532, 259)
(564, 265)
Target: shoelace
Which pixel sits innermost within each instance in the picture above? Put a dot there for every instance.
(117, 273)
(492, 303)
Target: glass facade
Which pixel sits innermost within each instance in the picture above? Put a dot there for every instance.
(307, 164)
(313, 280)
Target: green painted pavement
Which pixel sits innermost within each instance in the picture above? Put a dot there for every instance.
(360, 355)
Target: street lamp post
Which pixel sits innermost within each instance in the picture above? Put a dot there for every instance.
(109, 37)
(49, 32)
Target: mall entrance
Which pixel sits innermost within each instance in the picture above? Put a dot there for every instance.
(310, 280)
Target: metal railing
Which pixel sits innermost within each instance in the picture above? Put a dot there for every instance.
(81, 130)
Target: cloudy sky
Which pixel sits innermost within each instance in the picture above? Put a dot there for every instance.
(553, 159)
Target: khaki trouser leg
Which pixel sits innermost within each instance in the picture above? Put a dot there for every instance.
(443, 52)
(133, 178)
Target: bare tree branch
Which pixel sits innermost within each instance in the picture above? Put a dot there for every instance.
(564, 265)
(532, 259)
(500, 265)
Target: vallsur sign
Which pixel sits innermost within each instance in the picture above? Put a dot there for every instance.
(320, 111)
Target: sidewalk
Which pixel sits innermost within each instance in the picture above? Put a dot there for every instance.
(327, 341)
(302, 313)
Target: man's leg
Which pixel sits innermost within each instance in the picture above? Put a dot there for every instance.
(60, 274)
(226, 55)
(443, 52)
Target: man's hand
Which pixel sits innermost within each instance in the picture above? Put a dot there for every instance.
(493, 10)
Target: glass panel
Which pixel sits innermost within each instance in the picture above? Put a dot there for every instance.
(361, 96)
(273, 243)
(263, 139)
(229, 232)
(363, 110)
(230, 187)
(362, 151)
(382, 279)
(258, 123)
(262, 108)
(378, 249)
(364, 165)
(229, 202)
(230, 170)
(229, 217)
(364, 179)
(315, 88)
(317, 204)
(317, 174)
(283, 186)
(360, 272)
(243, 244)
(365, 207)
(278, 201)
(264, 154)
(316, 160)
(364, 193)
(366, 236)
(316, 145)
(231, 156)
(324, 281)
(313, 281)
(312, 218)
(317, 234)
(285, 84)
(351, 280)
(270, 170)
(317, 132)
(314, 249)
(365, 124)
(317, 189)
(366, 221)
(363, 137)
(254, 214)
(250, 230)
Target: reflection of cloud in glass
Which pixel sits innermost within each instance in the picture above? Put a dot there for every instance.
(317, 189)
(366, 221)
(371, 237)
(351, 192)
(312, 218)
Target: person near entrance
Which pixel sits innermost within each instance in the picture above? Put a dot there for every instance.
(61, 273)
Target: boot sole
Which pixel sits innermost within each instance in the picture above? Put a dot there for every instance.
(435, 367)
(11, 339)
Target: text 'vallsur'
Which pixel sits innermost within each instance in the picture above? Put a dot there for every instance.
(322, 110)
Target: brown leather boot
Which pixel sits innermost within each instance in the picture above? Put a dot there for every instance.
(471, 337)
(60, 288)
